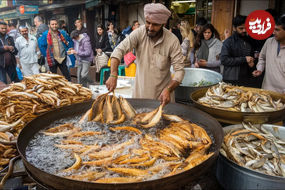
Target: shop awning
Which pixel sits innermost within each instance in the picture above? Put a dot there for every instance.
(14, 14)
(64, 5)
(8, 14)
(91, 3)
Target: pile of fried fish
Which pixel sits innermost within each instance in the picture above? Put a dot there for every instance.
(228, 97)
(255, 147)
(7, 152)
(21, 102)
(112, 110)
(175, 148)
(34, 95)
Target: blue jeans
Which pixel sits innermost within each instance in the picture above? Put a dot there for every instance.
(11, 71)
(83, 73)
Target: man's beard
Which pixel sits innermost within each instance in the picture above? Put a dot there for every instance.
(242, 35)
(158, 33)
(54, 30)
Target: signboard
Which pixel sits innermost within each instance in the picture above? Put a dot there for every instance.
(27, 10)
(8, 15)
(3, 3)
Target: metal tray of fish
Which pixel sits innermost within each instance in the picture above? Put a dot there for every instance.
(236, 117)
(233, 176)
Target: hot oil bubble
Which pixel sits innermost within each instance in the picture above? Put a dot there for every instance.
(42, 153)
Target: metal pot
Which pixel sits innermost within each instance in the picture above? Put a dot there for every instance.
(195, 75)
(171, 182)
(233, 117)
(232, 176)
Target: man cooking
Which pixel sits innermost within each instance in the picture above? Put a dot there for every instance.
(156, 50)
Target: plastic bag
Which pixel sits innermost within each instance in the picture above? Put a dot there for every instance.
(70, 61)
(19, 73)
(129, 58)
(43, 69)
(101, 61)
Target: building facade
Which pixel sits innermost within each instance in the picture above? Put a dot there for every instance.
(123, 12)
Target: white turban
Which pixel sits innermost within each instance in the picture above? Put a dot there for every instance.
(156, 13)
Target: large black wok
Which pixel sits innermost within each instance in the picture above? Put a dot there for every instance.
(172, 182)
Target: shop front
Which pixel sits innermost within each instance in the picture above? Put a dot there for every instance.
(191, 10)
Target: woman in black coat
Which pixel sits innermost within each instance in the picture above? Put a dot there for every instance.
(101, 40)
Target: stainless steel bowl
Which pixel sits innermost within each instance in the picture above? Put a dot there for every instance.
(195, 75)
(232, 176)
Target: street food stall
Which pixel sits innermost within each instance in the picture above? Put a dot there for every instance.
(191, 10)
(65, 104)
(67, 140)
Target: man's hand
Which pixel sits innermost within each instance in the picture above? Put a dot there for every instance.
(11, 48)
(73, 52)
(256, 73)
(227, 33)
(7, 48)
(196, 65)
(112, 80)
(164, 97)
(18, 62)
(202, 63)
(19, 65)
(111, 83)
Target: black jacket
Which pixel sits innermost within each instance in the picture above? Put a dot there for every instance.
(8, 41)
(103, 43)
(233, 54)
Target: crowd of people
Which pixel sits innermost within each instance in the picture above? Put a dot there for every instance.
(52, 47)
(240, 59)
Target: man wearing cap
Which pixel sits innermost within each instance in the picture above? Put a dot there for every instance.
(156, 50)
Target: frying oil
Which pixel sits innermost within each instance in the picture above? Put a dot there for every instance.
(43, 154)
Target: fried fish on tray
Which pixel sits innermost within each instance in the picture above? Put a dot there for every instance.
(255, 147)
(233, 98)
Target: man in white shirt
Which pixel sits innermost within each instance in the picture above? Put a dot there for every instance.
(272, 60)
(27, 52)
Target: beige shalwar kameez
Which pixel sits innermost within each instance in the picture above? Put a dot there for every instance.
(274, 65)
(153, 61)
